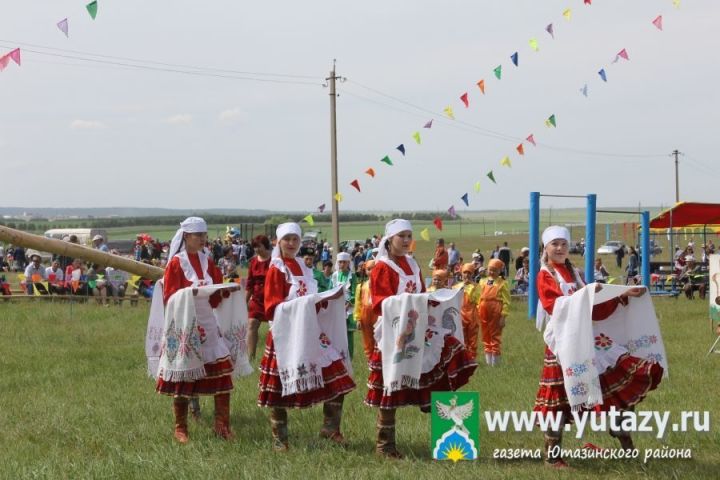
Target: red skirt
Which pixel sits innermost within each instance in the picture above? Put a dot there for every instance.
(256, 310)
(218, 379)
(336, 378)
(623, 386)
(454, 370)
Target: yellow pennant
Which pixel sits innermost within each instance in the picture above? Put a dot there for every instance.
(477, 187)
(676, 3)
(534, 44)
(425, 235)
(309, 220)
(505, 162)
(449, 112)
(338, 197)
(567, 14)
(416, 136)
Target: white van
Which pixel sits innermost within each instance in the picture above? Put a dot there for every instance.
(84, 235)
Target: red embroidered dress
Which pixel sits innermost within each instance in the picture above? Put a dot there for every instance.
(623, 385)
(257, 272)
(456, 364)
(336, 379)
(218, 377)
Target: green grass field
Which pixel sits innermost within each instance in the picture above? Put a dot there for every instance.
(76, 403)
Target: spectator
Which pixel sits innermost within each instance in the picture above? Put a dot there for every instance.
(453, 257)
(243, 254)
(117, 281)
(439, 280)
(478, 259)
(227, 264)
(34, 274)
(601, 273)
(619, 254)
(522, 276)
(524, 253)
(98, 243)
(692, 278)
(19, 257)
(97, 284)
(327, 272)
(440, 260)
(494, 253)
(633, 264)
(325, 255)
(56, 278)
(75, 278)
(505, 255)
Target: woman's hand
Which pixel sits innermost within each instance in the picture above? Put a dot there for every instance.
(337, 295)
(598, 287)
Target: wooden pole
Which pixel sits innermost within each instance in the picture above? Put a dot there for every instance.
(59, 247)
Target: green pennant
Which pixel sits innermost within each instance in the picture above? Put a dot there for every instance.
(387, 160)
(491, 176)
(498, 71)
(551, 119)
(92, 9)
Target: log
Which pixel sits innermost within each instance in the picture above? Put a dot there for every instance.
(59, 247)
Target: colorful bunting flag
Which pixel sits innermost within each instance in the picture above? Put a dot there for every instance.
(464, 99)
(676, 3)
(602, 74)
(520, 149)
(550, 30)
(386, 159)
(514, 58)
(623, 54)
(491, 176)
(616, 59)
(477, 187)
(63, 26)
(438, 223)
(588, 2)
(505, 162)
(531, 138)
(4, 60)
(428, 124)
(338, 197)
(321, 208)
(464, 198)
(425, 234)
(449, 112)
(658, 22)
(481, 86)
(401, 148)
(416, 136)
(567, 14)
(15, 56)
(534, 44)
(584, 90)
(355, 184)
(452, 212)
(498, 72)
(309, 219)
(92, 8)
(551, 120)
(371, 172)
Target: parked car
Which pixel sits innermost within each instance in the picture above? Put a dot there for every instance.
(348, 245)
(610, 248)
(655, 249)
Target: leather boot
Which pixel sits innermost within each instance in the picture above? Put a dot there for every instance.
(180, 408)
(553, 443)
(332, 415)
(195, 408)
(279, 425)
(222, 417)
(385, 443)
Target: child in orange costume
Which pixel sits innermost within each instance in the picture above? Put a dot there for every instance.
(493, 308)
(469, 311)
(364, 314)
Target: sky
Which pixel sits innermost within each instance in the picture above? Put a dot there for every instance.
(78, 133)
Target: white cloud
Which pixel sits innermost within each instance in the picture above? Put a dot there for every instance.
(86, 125)
(179, 119)
(231, 115)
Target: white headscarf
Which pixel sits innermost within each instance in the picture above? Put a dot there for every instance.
(554, 232)
(343, 257)
(189, 225)
(283, 230)
(392, 228)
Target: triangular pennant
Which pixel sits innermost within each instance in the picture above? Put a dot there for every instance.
(438, 223)
(371, 172)
(15, 56)
(386, 159)
(309, 219)
(4, 60)
(321, 208)
(491, 176)
(338, 197)
(451, 211)
(416, 136)
(464, 99)
(531, 138)
(355, 184)
(425, 234)
(92, 8)
(623, 54)
(676, 3)
(550, 30)
(401, 148)
(567, 13)
(602, 74)
(481, 86)
(505, 162)
(514, 58)
(520, 149)
(658, 22)
(584, 90)
(498, 72)
(63, 26)
(588, 2)
(534, 44)
(551, 120)
(464, 198)
(449, 112)
(477, 187)
(428, 124)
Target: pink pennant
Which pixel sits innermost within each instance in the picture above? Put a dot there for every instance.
(4, 60)
(15, 56)
(588, 2)
(531, 139)
(451, 211)
(658, 22)
(464, 98)
(428, 124)
(623, 54)
(63, 26)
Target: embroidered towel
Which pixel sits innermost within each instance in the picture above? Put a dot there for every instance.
(181, 359)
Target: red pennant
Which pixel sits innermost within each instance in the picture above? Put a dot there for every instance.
(355, 184)
(520, 149)
(588, 2)
(438, 223)
(464, 98)
(531, 139)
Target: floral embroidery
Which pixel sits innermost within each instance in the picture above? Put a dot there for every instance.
(655, 357)
(203, 335)
(313, 368)
(428, 336)
(410, 287)
(324, 340)
(302, 370)
(603, 342)
(579, 389)
(181, 343)
(301, 289)
(576, 369)
(644, 341)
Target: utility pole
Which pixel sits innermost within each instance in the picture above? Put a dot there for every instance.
(677, 177)
(333, 160)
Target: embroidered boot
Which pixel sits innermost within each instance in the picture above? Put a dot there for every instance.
(332, 415)
(222, 417)
(385, 443)
(195, 408)
(180, 408)
(279, 425)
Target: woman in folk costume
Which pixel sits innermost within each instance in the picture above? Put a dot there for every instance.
(365, 316)
(293, 373)
(469, 311)
(343, 275)
(191, 266)
(257, 270)
(396, 273)
(493, 308)
(610, 377)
